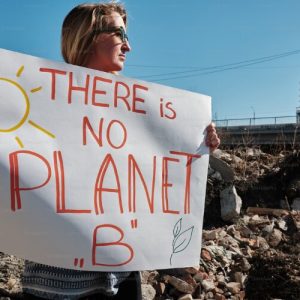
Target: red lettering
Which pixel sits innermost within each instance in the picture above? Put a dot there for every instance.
(173, 112)
(133, 168)
(86, 124)
(166, 184)
(110, 245)
(15, 188)
(161, 108)
(101, 92)
(108, 135)
(53, 73)
(78, 88)
(99, 189)
(60, 187)
(187, 200)
(137, 99)
(117, 96)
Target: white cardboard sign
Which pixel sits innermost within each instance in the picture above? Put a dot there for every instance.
(97, 171)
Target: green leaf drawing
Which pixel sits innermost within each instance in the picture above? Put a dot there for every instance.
(181, 239)
(177, 228)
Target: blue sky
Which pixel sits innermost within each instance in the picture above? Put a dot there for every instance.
(172, 36)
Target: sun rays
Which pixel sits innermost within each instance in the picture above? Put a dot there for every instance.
(24, 118)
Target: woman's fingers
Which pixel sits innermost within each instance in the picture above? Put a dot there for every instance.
(212, 138)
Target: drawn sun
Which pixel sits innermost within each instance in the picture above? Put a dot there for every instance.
(13, 92)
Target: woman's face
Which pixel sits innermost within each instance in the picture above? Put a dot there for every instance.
(109, 51)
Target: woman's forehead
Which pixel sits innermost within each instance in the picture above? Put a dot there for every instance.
(115, 20)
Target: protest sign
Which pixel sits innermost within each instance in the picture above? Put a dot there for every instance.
(98, 171)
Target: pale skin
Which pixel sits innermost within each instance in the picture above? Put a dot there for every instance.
(212, 139)
(109, 55)
(109, 52)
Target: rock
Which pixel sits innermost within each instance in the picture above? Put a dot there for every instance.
(192, 270)
(253, 153)
(210, 234)
(200, 276)
(148, 292)
(233, 287)
(186, 297)
(230, 203)
(219, 297)
(205, 254)
(160, 288)
(145, 276)
(221, 280)
(217, 175)
(208, 285)
(275, 238)
(223, 168)
(198, 292)
(245, 265)
(180, 285)
(209, 295)
(245, 231)
(282, 224)
(261, 243)
(293, 189)
(296, 204)
(238, 277)
(11, 283)
(268, 228)
(242, 295)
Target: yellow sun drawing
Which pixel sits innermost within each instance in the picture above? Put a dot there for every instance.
(17, 93)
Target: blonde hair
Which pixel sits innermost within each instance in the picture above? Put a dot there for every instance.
(80, 27)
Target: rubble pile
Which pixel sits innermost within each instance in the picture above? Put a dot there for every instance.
(11, 268)
(239, 261)
(251, 242)
(251, 237)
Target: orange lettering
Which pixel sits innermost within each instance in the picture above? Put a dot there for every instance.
(78, 88)
(173, 112)
(97, 138)
(53, 73)
(111, 245)
(166, 184)
(15, 188)
(95, 91)
(137, 99)
(60, 187)
(117, 96)
(99, 189)
(187, 200)
(133, 168)
(111, 123)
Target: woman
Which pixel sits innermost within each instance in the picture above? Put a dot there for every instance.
(93, 36)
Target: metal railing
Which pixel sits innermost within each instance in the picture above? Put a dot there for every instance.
(256, 121)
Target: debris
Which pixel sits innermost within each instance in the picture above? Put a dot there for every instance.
(267, 211)
(296, 204)
(186, 297)
(230, 204)
(222, 167)
(148, 292)
(208, 285)
(275, 238)
(233, 287)
(180, 285)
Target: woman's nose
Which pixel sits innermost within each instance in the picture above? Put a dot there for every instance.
(126, 46)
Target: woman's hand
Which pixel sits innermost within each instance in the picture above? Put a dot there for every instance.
(212, 139)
